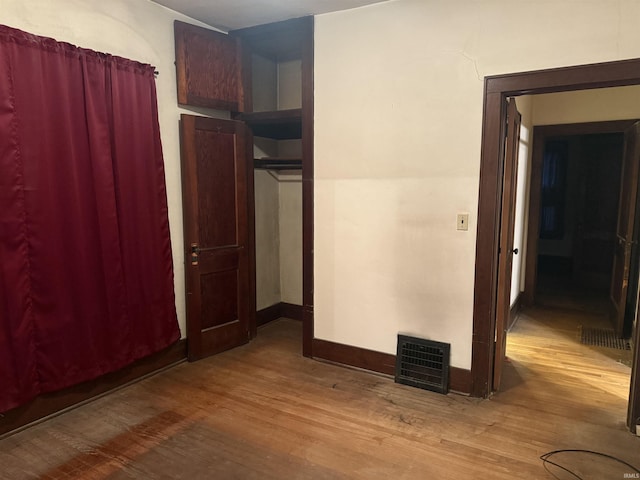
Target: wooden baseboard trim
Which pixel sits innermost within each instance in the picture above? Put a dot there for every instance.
(268, 314)
(354, 356)
(55, 403)
(460, 380)
(277, 310)
(292, 311)
(385, 363)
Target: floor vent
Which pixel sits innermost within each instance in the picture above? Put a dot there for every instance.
(603, 337)
(423, 364)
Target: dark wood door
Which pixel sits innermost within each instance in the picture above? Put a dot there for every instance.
(216, 233)
(597, 197)
(507, 221)
(208, 68)
(624, 230)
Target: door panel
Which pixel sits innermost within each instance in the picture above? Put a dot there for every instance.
(208, 68)
(216, 188)
(624, 231)
(505, 261)
(598, 174)
(216, 234)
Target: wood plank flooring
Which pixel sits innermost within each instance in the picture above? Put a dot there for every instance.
(262, 411)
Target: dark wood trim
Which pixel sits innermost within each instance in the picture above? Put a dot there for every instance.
(354, 356)
(292, 311)
(278, 310)
(269, 314)
(564, 79)
(497, 89)
(57, 402)
(277, 163)
(247, 87)
(307, 188)
(533, 232)
(460, 380)
(385, 363)
(514, 311)
(251, 234)
(540, 136)
(487, 243)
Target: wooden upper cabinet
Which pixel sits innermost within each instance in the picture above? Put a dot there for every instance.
(208, 68)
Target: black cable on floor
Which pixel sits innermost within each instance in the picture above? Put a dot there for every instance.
(545, 460)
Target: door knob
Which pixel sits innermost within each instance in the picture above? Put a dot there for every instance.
(515, 251)
(195, 251)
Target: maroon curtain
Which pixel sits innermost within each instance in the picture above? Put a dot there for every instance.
(86, 276)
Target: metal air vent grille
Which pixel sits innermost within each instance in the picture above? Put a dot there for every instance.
(423, 364)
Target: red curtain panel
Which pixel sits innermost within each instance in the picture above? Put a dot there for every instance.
(86, 275)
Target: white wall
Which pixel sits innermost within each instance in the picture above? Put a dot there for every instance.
(291, 239)
(604, 104)
(398, 119)
(267, 211)
(139, 30)
(525, 145)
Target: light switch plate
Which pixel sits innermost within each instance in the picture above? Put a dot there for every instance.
(463, 221)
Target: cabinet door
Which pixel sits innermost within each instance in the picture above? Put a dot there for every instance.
(208, 68)
(215, 194)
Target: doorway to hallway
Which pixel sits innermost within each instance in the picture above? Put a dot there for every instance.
(546, 359)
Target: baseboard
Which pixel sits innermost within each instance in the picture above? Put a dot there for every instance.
(460, 380)
(385, 363)
(54, 403)
(268, 314)
(278, 310)
(354, 356)
(292, 311)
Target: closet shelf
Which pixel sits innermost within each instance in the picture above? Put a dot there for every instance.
(278, 125)
(278, 163)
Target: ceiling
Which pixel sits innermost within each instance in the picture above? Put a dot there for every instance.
(233, 14)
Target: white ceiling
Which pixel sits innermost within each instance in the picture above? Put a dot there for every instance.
(232, 14)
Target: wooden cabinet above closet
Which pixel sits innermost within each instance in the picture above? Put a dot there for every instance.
(208, 68)
(256, 73)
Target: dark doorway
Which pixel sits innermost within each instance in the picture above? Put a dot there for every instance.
(578, 214)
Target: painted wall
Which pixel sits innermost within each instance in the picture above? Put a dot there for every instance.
(139, 30)
(604, 104)
(267, 211)
(398, 120)
(291, 239)
(525, 107)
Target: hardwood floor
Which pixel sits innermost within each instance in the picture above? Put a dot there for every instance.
(263, 411)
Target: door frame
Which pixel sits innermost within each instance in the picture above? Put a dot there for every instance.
(540, 136)
(496, 89)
